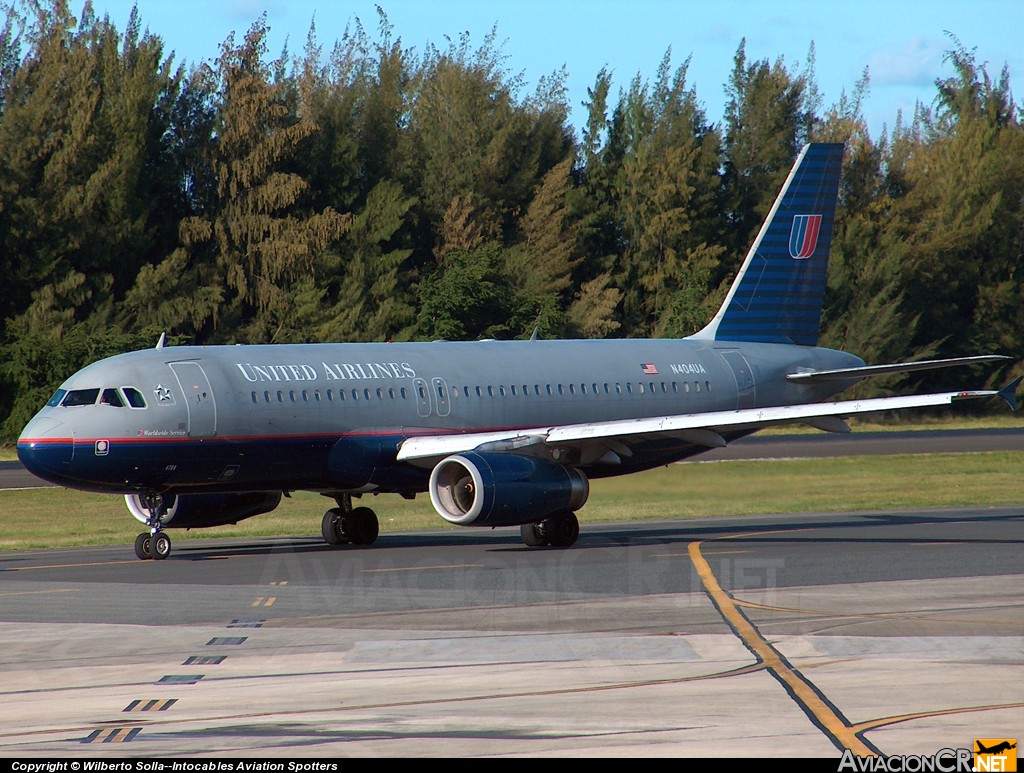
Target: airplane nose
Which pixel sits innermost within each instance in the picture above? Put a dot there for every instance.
(45, 448)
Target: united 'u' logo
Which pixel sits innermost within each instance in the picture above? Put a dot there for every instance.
(803, 236)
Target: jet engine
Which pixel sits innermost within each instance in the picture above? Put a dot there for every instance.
(488, 489)
(196, 511)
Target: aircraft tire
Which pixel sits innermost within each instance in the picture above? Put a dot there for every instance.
(561, 530)
(142, 546)
(533, 536)
(159, 546)
(361, 526)
(330, 527)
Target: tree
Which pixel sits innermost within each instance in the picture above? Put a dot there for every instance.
(768, 117)
(239, 270)
(961, 217)
(666, 193)
(88, 189)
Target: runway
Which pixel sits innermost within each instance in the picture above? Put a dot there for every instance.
(796, 636)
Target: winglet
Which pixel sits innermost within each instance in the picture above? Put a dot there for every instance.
(1009, 393)
(161, 341)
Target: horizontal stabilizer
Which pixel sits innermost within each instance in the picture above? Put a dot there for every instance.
(866, 371)
(1009, 393)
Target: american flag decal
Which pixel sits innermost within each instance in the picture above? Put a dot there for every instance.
(648, 369)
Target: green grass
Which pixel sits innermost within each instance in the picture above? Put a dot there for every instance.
(58, 517)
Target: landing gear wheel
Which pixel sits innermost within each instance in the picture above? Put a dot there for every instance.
(159, 546)
(561, 530)
(142, 546)
(533, 536)
(361, 526)
(331, 527)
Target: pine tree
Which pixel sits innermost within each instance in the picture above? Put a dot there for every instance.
(665, 195)
(243, 258)
(88, 189)
(768, 117)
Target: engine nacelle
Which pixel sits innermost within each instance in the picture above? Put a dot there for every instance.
(474, 489)
(197, 511)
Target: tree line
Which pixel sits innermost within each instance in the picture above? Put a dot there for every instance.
(366, 191)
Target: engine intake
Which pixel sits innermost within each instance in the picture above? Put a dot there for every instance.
(196, 511)
(475, 489)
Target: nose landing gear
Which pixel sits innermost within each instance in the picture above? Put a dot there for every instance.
(154, 544)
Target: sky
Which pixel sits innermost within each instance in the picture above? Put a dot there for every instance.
(902, 43)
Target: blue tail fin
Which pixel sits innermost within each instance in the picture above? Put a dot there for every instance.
(777, 295)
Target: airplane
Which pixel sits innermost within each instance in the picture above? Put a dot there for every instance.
(998, 748)
(498, 433)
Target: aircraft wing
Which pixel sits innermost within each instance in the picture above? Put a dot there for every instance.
(598, 438)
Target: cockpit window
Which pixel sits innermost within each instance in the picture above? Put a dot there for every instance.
(81, 397)
(111, 397)
(57, 397)
(134, 397)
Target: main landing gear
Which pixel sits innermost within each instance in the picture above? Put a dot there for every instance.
(345, 524)
(153, 544)
(560, 530)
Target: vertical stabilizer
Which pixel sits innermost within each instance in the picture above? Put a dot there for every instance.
(778, 293)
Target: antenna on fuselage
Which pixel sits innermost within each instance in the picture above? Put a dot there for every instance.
(161, 341)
